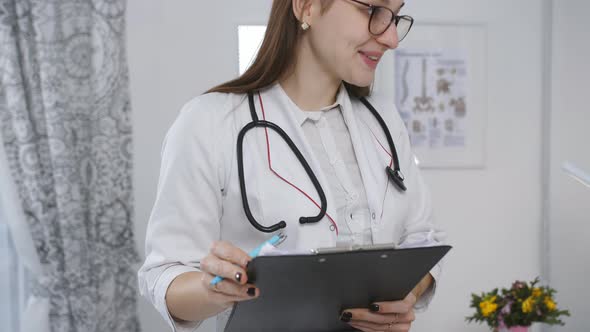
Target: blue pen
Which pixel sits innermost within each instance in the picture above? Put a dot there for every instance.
(274, 241)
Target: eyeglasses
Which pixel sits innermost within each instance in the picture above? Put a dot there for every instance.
(382, 17)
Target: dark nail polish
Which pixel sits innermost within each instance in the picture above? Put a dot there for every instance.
(346, 316)
(374, 307)
(251, 291)
(239, 276)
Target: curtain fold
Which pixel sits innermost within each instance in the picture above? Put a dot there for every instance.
(65, 122)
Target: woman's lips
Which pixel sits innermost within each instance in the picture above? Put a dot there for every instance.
(371, 59)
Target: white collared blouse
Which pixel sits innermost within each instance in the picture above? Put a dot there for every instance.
(330, 141)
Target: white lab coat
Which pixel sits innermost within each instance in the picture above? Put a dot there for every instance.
(198, 199)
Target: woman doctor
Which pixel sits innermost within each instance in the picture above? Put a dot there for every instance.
(317, 60)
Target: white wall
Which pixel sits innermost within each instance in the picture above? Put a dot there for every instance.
(178, 49)
(144, 40)
(493, 215)
(569, 217)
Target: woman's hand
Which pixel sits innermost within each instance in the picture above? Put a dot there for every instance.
(229, 262)
(383, 316)
(190, 296)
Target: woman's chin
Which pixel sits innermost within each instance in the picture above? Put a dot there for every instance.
(362, 82)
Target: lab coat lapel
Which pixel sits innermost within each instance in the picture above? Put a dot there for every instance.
(370, 158)
(279, 112)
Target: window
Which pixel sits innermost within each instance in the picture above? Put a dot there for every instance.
(249, 40)
(13, 285)
(12, 282)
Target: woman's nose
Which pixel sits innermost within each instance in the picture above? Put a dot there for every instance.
(389, 38)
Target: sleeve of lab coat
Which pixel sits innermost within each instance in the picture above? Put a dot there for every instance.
(420, 228)
(184, 220)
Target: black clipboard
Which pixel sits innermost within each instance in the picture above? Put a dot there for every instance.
(308, 292)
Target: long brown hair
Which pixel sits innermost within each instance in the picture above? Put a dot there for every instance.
(276, 55)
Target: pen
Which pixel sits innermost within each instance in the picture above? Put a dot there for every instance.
(274, 241)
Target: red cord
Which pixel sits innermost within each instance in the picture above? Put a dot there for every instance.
(384, 149)
(282, 178)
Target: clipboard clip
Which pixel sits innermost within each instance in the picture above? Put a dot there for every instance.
(354, 247)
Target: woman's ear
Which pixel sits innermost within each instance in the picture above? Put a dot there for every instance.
(304, 10)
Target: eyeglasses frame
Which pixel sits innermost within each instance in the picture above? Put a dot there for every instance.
(394, 18)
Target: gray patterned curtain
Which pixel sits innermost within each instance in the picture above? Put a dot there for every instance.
(65, 121)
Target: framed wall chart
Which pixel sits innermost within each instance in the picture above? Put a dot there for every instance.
(440, 91)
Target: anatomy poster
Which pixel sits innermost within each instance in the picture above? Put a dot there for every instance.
(431, 94)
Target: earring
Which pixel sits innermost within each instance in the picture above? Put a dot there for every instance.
(304, 26)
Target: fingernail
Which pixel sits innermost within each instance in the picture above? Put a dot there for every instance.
(252, 291)
(239, 276)
(346, 316)
(374, 307)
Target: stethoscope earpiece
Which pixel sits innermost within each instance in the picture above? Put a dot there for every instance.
(306, 220)
(397, 177)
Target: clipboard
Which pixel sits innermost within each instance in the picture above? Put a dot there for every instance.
(305, 293)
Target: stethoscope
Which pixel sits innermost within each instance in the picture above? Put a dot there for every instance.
(395, 174)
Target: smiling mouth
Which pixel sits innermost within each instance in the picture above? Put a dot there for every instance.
(372, 57)
(370, 60)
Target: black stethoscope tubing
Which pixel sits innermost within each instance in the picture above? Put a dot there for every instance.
(394, 174)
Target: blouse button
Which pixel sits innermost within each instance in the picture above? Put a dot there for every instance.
(332, 228)
(373, 215)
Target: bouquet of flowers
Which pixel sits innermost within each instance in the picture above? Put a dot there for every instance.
(521, 305)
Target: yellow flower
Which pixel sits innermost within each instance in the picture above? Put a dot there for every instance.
(537, 292)
(527, 305)
(549, 303)
(488, 307)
